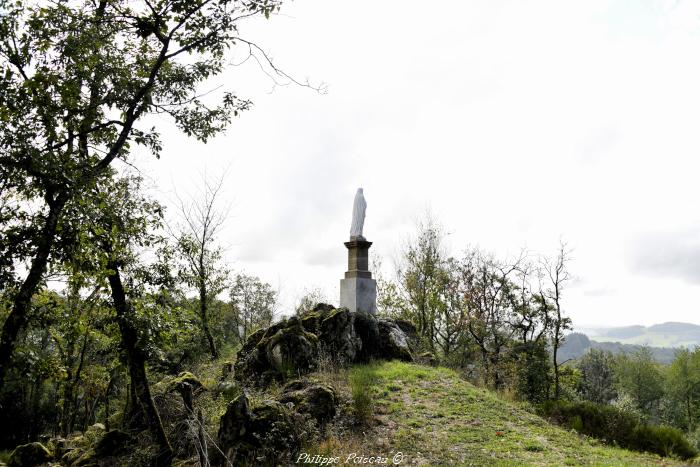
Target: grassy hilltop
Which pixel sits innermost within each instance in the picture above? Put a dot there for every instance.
(433, 417)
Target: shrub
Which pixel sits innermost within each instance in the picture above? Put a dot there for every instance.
(611, 424)
(663, 440)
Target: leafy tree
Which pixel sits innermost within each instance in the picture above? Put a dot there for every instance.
(683, 386)
(597, 376)
(491, 297)
(638, 375)
(77, 80)
(451, 313)
(253, 303)
(309, 299)
(117, 234)
(420, 278)
(533, 370)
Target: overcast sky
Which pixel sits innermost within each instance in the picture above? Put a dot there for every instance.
(516, 123)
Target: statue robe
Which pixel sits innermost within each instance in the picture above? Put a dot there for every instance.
(358, 214)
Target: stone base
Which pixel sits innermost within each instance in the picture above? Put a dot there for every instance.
(359, 294)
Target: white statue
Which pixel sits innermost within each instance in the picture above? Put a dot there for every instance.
(358, 215)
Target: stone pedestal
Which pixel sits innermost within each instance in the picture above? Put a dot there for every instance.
(358, 291)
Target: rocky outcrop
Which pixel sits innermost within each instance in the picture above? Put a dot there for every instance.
(258, 435)
(29, 455)
(292, 347)
(315, 399)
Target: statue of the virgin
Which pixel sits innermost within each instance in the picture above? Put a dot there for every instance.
(358, 216)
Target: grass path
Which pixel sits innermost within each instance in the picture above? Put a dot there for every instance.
(435, 418)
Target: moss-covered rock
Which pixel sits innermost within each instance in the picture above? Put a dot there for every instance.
(113, 442)
(315, 399)
(29, 455)
(280, 351)
(71, 456)
(292, 347)
(260, 435)
(185, 378)
(94, 433)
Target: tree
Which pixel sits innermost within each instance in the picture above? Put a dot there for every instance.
(196, 244)
(451, 314)
(75, 81)
(420, 277)
(309, 299)
(532, 370)
(597, 376)
(253, 302)
(116, 236)
(638, 376)
(557, 274)
(491, 304)
(683, 386)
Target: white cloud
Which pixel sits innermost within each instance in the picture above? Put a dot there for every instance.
(516, 122)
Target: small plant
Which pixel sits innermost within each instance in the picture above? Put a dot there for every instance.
(533, 447)
(361, 380)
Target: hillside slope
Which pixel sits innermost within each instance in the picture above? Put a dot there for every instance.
(433, 417)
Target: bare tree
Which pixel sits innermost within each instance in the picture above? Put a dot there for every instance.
(196, 243)
(557, 275)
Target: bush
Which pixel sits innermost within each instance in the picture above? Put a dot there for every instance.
(663, 440)
(611, 424)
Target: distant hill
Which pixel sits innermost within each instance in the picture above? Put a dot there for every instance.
(669, 334)
(576, 344)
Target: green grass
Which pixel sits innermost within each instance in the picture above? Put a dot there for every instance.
(361, 379)
(434, 417)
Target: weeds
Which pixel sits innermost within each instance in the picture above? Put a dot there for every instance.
(361, 379)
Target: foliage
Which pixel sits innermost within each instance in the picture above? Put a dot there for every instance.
(77, 80)
(533, 371)
(610, 424)
(683, 388)
(639, 376)
(253, 305)
(597, 376)
(309, 299)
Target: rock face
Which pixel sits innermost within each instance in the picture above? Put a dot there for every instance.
(29, 455)
(293, 347)
(317, 400)
(257, 435)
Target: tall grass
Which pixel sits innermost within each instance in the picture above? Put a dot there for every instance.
(361, 379)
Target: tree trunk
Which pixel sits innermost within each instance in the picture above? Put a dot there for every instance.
(205, 322)
(19, 315)
(557, 391)
(137, 367)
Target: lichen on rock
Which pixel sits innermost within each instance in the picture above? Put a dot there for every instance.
(293, 346)
(29, 455)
